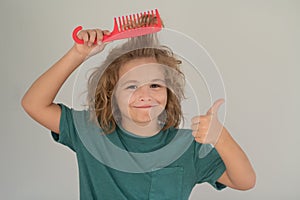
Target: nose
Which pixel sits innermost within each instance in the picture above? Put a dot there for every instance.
(143, 93)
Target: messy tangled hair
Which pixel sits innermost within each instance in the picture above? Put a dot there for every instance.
(103, 80)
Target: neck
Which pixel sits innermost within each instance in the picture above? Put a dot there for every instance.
(141, 129)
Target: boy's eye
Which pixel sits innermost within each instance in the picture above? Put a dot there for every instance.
(155, 85)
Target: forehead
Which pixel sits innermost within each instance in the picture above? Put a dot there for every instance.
(141, 68)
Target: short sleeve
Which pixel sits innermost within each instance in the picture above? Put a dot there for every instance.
(67, 135)
(209, 168)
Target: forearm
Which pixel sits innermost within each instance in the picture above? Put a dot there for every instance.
(38, 100)
(44, 90)
(238, 166)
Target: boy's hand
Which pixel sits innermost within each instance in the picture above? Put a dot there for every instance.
(90, 47)
(207, 128)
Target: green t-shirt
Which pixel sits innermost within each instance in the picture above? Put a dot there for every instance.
(99, 179)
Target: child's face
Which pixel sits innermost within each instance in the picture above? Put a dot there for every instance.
(141, 92)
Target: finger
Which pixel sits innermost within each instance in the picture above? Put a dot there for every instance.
(99, 36)
(215, 107)
(201, 128)
(194, 127)
(83, 35)
(199, 136)
(92, 37)
(199, 140)
(106, 32)
(199, 119)
(196, 119)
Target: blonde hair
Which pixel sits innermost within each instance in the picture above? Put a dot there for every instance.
(105, 77)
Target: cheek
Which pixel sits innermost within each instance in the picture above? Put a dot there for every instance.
(162, 97)
(124, 98)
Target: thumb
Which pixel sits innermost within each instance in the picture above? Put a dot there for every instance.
(215, 107)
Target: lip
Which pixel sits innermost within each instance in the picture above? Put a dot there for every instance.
(145, 106)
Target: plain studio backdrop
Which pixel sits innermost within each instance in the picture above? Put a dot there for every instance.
(255, 45)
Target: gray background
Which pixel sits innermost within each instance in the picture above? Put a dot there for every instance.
(254, 43)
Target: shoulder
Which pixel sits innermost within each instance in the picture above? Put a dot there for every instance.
(74, 118)
(71, 112)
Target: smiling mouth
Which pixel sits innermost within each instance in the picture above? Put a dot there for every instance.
(145, 106)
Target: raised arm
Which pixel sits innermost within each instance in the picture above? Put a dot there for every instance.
(239, 173)
(38, 100)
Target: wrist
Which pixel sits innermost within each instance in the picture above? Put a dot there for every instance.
(77, 55)
(71, 60)
(222, 138)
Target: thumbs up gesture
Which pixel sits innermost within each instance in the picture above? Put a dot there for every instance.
(207, 128)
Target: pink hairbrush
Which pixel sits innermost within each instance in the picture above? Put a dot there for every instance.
(129, 26)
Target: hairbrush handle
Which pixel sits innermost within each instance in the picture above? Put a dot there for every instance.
(81, 41)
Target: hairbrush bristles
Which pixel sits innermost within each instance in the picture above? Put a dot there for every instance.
(130, 26)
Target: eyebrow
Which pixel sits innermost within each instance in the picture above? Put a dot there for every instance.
(135, 81)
